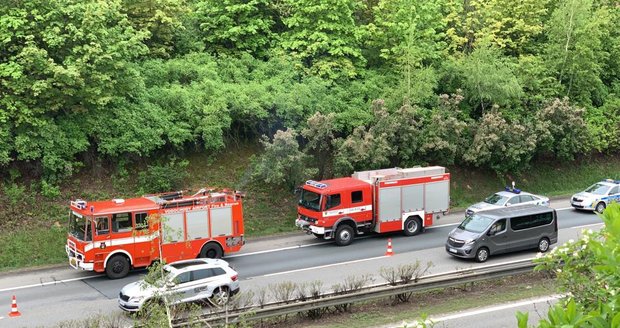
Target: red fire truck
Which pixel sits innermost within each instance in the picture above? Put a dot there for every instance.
(115, 235)
(384, 200)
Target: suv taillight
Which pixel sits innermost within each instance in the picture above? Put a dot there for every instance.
(234, 278)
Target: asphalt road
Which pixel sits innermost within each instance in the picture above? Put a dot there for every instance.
(47, 297)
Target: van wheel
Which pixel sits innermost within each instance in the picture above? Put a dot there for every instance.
(600, 207)
(344, 235)
(413, 226)
(543, 245)
(117, 267)
(482, 254)
(211, 251)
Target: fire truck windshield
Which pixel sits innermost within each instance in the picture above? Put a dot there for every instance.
(79, 227)
(310, 200)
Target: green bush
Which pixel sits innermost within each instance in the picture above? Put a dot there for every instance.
(163, 177)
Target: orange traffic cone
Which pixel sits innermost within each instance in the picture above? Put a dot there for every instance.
(389, 248)
(14, 312)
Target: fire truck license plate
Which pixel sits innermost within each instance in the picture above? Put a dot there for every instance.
(452, 250)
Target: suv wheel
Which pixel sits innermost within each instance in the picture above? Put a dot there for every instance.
(220, 296)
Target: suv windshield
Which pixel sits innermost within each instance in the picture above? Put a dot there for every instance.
(79, 227)
(496, 199)
(475, 224)
(598, 189)
(310, 200)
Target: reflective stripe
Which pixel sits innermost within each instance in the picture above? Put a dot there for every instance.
(350, 210)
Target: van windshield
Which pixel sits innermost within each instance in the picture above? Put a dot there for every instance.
(475, 223)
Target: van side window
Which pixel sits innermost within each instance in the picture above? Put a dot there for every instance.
(498, 226)
(531, 221)
(356, 197)
(332, 201)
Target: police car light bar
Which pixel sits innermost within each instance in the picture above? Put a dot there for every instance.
(612, 181)
(513, 190)
(316, 184)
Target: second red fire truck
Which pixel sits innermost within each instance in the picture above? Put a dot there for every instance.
(380, 201)
(113, 236)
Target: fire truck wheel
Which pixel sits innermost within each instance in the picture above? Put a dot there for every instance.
(211, 250)
(344, 235)
(413, 226)
(117, 267)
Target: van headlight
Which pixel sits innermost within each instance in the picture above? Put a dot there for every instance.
(470, 242)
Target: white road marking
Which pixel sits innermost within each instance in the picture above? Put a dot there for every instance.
(487, 309)
(323, 266)
(46, 283)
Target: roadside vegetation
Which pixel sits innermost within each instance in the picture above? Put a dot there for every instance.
(29, 215)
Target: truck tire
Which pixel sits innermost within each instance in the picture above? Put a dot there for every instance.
(211, 251)
(117, 267)
(344, 235)
(413, 226)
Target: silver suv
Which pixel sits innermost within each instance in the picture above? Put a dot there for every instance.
(184, 281)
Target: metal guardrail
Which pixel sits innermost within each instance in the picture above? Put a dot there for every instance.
(424, 283)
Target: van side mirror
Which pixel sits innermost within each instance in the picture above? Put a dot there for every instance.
(170, 284)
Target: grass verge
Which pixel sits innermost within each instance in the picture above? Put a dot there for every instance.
(433, 303)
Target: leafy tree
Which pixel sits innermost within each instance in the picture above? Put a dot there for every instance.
(282, 163)
(236, 26)
(514, 26)
(445, 135)
(160, 19)
(392, 137)
(586, 269)
(408, 31)
(603, 124)
(320, 134)
(488, 78)
(562, 129)
(574, 51)
(323, 36)
(61, 62)
(501, 145)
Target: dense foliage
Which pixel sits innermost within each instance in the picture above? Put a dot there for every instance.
(372, 83)
(587, 271)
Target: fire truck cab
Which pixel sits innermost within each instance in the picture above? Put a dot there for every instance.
(113, 236)
(379, 201)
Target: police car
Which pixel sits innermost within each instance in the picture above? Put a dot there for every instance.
(597, 196)
(508, 197)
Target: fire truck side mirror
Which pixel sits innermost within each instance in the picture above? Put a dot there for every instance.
(297, 190)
